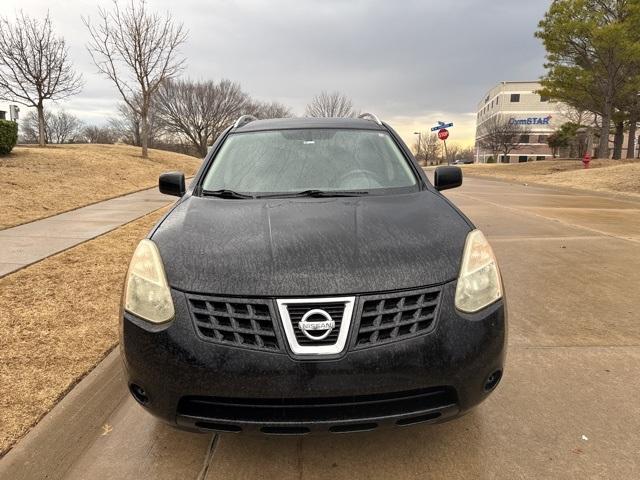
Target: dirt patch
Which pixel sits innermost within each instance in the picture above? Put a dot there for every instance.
(614, 176)
(40, 182)
(58, 319)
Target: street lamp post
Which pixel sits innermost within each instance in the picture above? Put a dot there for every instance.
(419, 142)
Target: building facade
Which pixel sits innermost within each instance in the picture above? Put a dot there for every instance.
(518, 103)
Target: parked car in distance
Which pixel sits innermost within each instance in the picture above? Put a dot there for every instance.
(312, 279)
(463, 161)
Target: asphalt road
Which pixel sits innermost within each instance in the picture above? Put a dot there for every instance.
(568, 406)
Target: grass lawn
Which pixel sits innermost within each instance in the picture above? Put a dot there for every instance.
(614, 176)
(40, 182)
(58, 319)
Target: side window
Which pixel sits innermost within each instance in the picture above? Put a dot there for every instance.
(515, 97)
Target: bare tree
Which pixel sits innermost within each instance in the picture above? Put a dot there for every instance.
(428, 148)
(333, 104)
(465, 153)
(95, 134)
(452, 152)
(137, 50)
(575, 115)
(458, 151)
(29, 127)
(59, 127)
(489, 136)
(200, 111)
(64, 128)
(501, 136)
(127, 126)
(35, 66)
(266, 110)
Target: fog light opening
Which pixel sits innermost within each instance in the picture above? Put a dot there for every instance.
(139, 394)
(492, 380)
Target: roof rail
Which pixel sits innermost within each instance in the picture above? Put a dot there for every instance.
(243, 120)
(370, 116)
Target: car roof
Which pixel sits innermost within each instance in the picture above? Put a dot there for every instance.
(295, 123)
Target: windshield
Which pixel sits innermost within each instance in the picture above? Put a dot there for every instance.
(289, 161)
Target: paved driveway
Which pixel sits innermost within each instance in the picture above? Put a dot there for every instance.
(568, 406)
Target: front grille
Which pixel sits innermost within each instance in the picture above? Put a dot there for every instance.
(249, 322)
(240, 322)
(316, 409)
(390, 317)
(297, 311)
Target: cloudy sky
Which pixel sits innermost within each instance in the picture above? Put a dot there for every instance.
(412, 62)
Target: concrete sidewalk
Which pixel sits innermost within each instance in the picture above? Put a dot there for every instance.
(29, 243)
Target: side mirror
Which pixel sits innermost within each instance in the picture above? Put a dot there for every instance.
(172, 183)
(447, 177)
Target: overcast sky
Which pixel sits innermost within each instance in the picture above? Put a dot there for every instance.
(412, 62)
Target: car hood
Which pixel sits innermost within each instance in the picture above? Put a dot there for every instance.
(311, 246)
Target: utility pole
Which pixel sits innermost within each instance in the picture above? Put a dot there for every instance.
(419, 143)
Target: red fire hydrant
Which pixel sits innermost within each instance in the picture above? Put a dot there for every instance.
(586, 159)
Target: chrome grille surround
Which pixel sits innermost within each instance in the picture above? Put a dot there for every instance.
(291, 325)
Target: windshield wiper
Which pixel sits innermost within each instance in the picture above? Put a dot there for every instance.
(225, 193)
(316, 193)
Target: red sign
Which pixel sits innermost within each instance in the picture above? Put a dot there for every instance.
(443, 134)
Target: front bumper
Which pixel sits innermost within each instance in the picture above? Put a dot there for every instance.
(198, 385)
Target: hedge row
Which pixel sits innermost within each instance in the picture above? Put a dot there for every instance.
(8, 136)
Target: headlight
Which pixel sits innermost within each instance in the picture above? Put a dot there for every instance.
(147, 293)
(479, 283)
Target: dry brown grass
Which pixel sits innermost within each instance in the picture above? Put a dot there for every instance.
(40, 182)
(58, 319)
(614, 176)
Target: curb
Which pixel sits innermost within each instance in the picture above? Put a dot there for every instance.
(49, 449)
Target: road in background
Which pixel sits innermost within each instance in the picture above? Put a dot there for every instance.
(568, 404)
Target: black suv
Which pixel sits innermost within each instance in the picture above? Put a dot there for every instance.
(311, 278)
